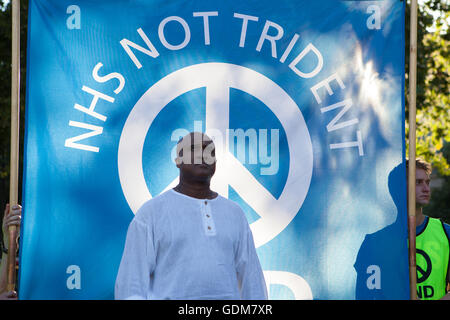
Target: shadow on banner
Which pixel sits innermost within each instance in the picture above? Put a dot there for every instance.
(378, 272)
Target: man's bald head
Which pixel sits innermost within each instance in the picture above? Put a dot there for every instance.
(195, 148)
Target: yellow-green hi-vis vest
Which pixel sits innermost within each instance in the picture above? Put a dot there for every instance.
(432, 261)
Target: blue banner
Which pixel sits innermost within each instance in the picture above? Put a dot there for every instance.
(305, 103)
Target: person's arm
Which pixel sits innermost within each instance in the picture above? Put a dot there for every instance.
(249, 271)
(10, 217)
(447, 296)
(3, 272)
(4, 294)
(136, 266)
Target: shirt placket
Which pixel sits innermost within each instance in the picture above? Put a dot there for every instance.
(208, 221)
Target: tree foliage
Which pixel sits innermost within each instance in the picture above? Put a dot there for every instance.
(5, 93)
(433, 70)
(438, 207)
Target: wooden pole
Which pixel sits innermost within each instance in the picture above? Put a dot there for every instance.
(412, 151)
(14, 164)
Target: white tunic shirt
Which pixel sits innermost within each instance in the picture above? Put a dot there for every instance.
(179, 247)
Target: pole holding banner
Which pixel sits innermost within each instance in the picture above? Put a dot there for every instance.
(412, 151)
(14, 158)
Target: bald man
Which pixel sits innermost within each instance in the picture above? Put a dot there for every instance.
(190, 242)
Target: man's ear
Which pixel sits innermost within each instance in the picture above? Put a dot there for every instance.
(178, 162)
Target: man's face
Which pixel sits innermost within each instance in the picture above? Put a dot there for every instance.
(423, 191)
(196, 157)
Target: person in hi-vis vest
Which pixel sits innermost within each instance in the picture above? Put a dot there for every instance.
(432, 243)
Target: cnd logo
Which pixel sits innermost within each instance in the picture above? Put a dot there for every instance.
(422, 275)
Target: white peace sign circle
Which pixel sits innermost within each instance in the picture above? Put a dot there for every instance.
(218, 78)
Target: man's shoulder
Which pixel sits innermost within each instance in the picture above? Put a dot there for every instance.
(444, 224)
(446, 228)
(439, 221)
(153, 205)
(228, 202)
(231, 207)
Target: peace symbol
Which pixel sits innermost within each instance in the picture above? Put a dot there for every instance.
(218, 78)
(423, 275)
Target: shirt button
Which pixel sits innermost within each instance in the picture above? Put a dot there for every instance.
(209, 228)
(206, 202)
(207, 215)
